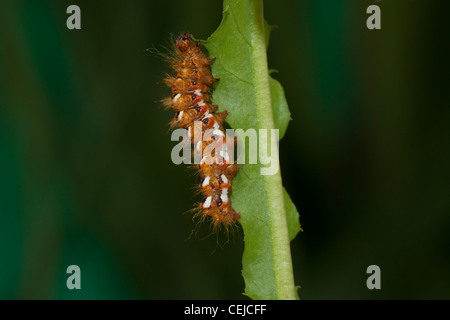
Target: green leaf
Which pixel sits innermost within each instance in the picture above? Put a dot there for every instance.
(292, 216)
(267, 30)
(281, 114)
(254, 100)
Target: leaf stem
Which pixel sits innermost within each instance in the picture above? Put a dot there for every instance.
(284, 279)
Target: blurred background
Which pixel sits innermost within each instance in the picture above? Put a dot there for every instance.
(86, 176)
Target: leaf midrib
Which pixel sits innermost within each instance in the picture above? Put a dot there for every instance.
(280, 258)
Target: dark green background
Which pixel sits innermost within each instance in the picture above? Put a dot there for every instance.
(86, 176)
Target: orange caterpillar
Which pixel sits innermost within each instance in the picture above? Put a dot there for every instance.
(191, 102)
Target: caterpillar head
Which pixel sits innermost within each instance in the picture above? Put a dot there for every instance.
(184, 42)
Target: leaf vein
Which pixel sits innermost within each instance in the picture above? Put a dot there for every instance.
(238, 28)
(234, 75)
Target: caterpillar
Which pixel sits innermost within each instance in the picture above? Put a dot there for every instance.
(191, 102)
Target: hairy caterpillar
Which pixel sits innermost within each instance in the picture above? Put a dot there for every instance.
(191, 102)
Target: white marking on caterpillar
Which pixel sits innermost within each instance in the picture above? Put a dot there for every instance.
(218, 133)
(205, 182)
(224, 178)
(224, 195)
(224, 154)
(180, 115)
(207, 203)
(176, 97)
(206, 115)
